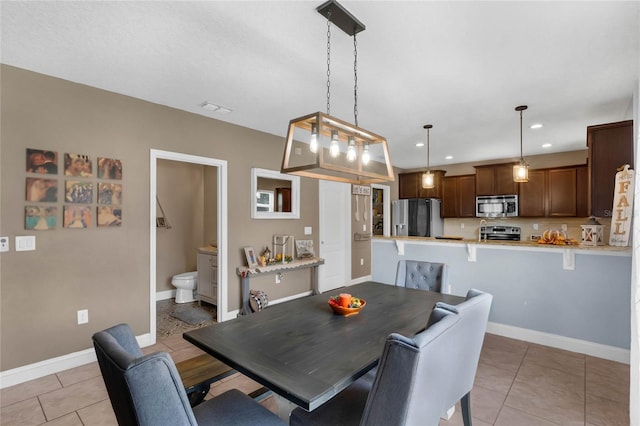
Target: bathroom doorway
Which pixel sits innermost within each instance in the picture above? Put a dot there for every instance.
(219, 168)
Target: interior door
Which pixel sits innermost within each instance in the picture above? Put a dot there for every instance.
(335, 244)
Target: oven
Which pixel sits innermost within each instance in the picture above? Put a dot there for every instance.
(500, 233)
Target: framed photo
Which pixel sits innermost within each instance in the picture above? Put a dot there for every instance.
(78, 192)
(109, 168)
(304, 248)
(77, 216)
(40, 218)
(79, 165)
(109, 216)
(42, 161)
(42, 190)
(109, 193)
(252, 257)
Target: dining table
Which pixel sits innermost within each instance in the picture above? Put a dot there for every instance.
(307, 354)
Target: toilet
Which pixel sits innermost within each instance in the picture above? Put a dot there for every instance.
(185, 284)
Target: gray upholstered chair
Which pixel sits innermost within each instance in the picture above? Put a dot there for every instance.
(423, 275)
(417, 379)
(147, 390)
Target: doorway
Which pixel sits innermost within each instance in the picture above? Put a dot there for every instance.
(221, 167)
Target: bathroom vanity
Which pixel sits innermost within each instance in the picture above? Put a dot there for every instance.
(207, 288)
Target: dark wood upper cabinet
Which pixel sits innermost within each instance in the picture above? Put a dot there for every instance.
(556, 192)
(582, 191)
(561, 192)
(532, 201)
(495, 179)
(459, 196)
(410, 185)
(610, 147)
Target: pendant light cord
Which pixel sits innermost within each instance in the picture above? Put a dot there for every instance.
(355, 80)
(329, 62)
(521, 157)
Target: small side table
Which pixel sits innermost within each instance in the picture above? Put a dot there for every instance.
(246, 274)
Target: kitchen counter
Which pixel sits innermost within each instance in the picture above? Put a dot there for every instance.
(528, 245)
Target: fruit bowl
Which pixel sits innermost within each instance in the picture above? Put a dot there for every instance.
(341, 310)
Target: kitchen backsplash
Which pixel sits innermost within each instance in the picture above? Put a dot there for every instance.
(469, 228)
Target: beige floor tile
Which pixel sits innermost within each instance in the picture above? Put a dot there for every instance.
(30, 389)
(74, 397)
(270, 404)
(186, 353)
(23, 413)
(456, 419)
(71, 419)
(551, 394)
(100, 414)
(158, 347)
(605, 367)
(503, 352)
(486, 404)
(565, 361)
(79, 374)
(605, 412)
(240, 382)
(609, 387)
(494, 378)
(512, 417)
(176, 342)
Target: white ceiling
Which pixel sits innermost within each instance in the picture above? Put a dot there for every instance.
(461, 66)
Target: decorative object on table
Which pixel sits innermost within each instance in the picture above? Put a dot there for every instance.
(557, 238)
(304, 249)
(283, 248)
(354, 304)
(592, 232)
(258, 300)
(252, 258)
(622, 207)
(319, 136)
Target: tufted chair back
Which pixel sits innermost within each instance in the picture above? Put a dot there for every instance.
(422, 275)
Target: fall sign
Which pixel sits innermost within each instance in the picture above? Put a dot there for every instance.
(622, 208)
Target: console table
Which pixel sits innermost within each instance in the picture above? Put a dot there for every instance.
(246, 274)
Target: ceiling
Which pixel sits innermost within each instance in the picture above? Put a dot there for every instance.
(461, 66)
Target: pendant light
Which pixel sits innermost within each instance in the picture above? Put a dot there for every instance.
(427, 177)
(521, 170)
(316, 143)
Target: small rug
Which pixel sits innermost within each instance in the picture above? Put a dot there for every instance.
(192, 315)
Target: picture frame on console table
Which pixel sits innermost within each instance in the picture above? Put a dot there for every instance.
(252, 257)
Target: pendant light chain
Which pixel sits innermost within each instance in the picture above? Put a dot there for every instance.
(427, 149)
(329, 62)
(355, 80)
(521, 157)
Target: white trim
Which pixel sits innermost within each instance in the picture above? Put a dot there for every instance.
(55, 365)
(611, 353)
(164, 295)
(360, 280)
(154, 156)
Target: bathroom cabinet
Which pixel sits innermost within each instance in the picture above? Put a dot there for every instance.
(207, 288)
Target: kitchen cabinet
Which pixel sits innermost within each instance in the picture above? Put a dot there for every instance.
(610, 146)
(410, 185)
(556, 192)
(459, 196)
(207, 287)
(495, 179)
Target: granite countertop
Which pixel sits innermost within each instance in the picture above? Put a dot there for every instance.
(532, 244)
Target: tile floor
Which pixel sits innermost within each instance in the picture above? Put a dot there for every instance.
(517, 384)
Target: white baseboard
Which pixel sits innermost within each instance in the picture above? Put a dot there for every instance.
(54, 365)
(164, 295)
(597, 350)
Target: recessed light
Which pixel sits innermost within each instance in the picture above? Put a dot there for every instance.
(536, 126)
(420, 144)
(546, 145)
(448, 157)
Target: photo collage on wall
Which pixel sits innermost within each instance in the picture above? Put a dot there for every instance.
(79, 191)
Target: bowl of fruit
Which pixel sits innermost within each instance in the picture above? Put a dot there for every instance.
(346, 305)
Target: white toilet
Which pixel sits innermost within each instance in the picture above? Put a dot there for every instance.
(185, 284)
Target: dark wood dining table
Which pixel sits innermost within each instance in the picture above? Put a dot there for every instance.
(307, 354)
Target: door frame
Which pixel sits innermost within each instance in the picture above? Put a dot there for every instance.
(346, 242)
(221, 165)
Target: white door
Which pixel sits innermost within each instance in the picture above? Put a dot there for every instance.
(335, 244)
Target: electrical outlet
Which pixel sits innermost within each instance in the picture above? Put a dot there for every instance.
(535, 237)
(83, 316)
(564, 227)
(4, 244)
(535, 226)
(278, 277)
(361, 262)
(462, 226)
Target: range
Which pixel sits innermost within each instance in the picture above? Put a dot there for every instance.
(504, 233)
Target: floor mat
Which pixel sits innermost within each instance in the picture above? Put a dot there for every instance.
(168, 325)
(192, 315)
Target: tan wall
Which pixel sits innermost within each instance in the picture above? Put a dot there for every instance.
(107, 270)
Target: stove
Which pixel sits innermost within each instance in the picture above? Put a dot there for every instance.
(500, 233)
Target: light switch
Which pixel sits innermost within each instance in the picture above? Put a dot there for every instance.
(26, 243)
(308, 230)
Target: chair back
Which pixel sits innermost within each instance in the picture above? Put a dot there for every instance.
(144, 390)
(422, 275)
(421, 378)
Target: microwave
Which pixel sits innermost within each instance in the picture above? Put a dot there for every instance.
(497, 206)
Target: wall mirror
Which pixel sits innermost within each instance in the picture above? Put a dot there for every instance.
(274, 195)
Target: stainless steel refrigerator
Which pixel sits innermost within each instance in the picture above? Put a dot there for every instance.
(417, 217)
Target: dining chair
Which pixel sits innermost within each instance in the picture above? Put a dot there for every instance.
(146, 390)
(417, 379)
(422, 275)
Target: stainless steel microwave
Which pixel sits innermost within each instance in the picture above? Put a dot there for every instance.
(497, 206)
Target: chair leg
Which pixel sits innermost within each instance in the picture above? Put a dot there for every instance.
(465, 404)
